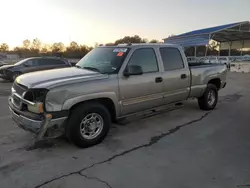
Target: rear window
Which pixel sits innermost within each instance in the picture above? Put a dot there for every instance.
(106, 60)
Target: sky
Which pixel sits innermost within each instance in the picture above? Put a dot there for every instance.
(103, 21)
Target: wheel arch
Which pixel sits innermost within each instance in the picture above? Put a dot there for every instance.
(216, 82)
(109, 101)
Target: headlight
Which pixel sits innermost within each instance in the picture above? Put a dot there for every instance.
(37, 96)
(37, 108)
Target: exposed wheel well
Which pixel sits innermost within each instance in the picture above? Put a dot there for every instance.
(107, 102)
(215, 82)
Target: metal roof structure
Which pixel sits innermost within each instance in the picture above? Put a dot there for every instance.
(239, 31)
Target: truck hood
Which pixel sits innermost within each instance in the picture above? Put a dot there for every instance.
(56, 77)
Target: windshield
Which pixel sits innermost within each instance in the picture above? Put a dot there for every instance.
(106, 60)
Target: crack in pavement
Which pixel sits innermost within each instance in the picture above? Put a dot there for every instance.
(97, 179)
(246, 185)
(152, 141)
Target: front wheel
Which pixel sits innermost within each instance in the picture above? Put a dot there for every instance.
(88, 124)
(209, 99)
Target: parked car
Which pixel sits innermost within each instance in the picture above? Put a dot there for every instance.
(202, 59)
(192, 60)
(225, 60)
(211, 59)
(10, 72)
(3, 63)
(108, 84)
(246, 58)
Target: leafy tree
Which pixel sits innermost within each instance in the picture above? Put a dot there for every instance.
(26, 44)
(36, 44)
(58, 47)
(44, 50)
(84, 49)
(130, 39)
(154, 41)
(4, 47)
(74, 46)
(110, 44)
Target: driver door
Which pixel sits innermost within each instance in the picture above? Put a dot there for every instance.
(141, 92)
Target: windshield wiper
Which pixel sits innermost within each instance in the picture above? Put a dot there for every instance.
(92, 69)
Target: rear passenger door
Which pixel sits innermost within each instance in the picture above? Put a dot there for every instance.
(176, 77)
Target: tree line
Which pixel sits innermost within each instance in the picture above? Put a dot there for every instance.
(35, 47)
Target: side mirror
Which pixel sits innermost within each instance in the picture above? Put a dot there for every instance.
(133, 70)
(26, 65)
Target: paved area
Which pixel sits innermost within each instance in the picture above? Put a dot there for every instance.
(185, 148)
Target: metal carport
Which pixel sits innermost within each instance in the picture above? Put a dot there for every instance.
(235, 35)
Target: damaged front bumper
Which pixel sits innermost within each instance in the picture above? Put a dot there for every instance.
(37, 123)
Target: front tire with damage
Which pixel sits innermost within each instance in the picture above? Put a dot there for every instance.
(88, 124)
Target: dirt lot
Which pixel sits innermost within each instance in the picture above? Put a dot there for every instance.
(182, 148)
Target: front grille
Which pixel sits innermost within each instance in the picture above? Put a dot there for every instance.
(20, 89)
(16, 101)
(1, 71)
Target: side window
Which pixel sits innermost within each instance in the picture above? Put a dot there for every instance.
(50, 62)
(171, 58)
(57, 62)
(145, 58)
(31, 62)
(40, 62)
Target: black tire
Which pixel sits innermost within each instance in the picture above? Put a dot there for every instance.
(204, 101)
(74, 123)
(15, 75)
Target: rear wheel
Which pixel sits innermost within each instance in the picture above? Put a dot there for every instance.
(88, 124)
(209, 99)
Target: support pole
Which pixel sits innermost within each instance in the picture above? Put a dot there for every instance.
(210, 37)
(219, 49)
(195, 51)
(241, 51)
(206, 50)
(230, 46)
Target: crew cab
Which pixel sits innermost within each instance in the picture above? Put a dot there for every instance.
(108, 84)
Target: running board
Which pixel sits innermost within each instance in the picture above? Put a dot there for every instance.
(149, 113)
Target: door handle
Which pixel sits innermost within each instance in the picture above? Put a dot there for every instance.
(158, 79)
(183, 76)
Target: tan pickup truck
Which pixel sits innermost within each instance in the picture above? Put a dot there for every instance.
(110, 83)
